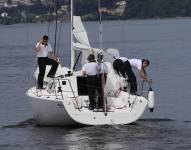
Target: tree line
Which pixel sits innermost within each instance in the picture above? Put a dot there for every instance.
(139, 9)
(158, 8)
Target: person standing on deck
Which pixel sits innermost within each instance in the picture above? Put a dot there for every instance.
(91, 70)
(123, 66)
(44, 51)
(103, 71)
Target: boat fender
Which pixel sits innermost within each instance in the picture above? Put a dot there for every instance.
(151, 100)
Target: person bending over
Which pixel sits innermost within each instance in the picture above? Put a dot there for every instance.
(123, 66)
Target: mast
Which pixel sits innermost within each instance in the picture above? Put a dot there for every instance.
(71, 40)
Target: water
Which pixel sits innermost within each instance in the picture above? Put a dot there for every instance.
(165, 42)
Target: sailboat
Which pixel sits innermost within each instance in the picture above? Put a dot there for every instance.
(64, 101)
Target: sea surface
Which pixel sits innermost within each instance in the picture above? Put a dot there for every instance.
(166, 43)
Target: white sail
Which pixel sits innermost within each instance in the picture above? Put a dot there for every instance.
(79, 31)
(81, 47)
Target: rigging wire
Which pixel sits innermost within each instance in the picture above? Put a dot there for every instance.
(100, 26)
(28, 75)
(56, 26)
(101, 48)
(59, 36)
(27, 35)
(47, 24)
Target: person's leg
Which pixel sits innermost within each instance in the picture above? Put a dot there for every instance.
(42, 69)
(100, 91)
(91, 91)
(132, 77)
(54, 67)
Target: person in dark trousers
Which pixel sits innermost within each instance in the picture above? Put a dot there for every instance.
(123, 66)
(45, 57)
(90, 70)
(103, 71)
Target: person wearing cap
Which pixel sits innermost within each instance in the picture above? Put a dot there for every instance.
(91, 70)
(44, 51)
(123, 66)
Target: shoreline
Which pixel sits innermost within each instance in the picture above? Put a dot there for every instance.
(105, 20)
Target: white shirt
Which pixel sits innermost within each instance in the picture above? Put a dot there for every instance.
(43, 51)
(103, 68)
(91, 68)
(124, 59)
(136, 63)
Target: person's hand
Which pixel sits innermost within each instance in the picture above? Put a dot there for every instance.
(40, 41)
(56, 58)
(38, 48)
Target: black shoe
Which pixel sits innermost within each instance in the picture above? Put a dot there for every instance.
(50, 76)
(135, 94)
(99, 107)
(40, 88)
(91, 107)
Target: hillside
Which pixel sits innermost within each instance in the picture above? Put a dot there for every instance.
(16, 11)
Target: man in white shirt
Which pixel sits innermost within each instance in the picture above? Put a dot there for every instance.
(44, 51)
(123, 66)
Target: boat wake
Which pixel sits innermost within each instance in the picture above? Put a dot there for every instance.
(156, 120)
(27, 123)
(31, 122)
(187, 121)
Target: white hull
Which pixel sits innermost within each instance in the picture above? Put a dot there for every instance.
(54, 108)
(63, 113)
(50, 113)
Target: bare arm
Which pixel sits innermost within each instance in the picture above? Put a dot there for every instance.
(143, 75)
(83, 73)
(38, 47)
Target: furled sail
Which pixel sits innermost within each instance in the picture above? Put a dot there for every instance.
(81, 43)
(81, 47)
(79, 32)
